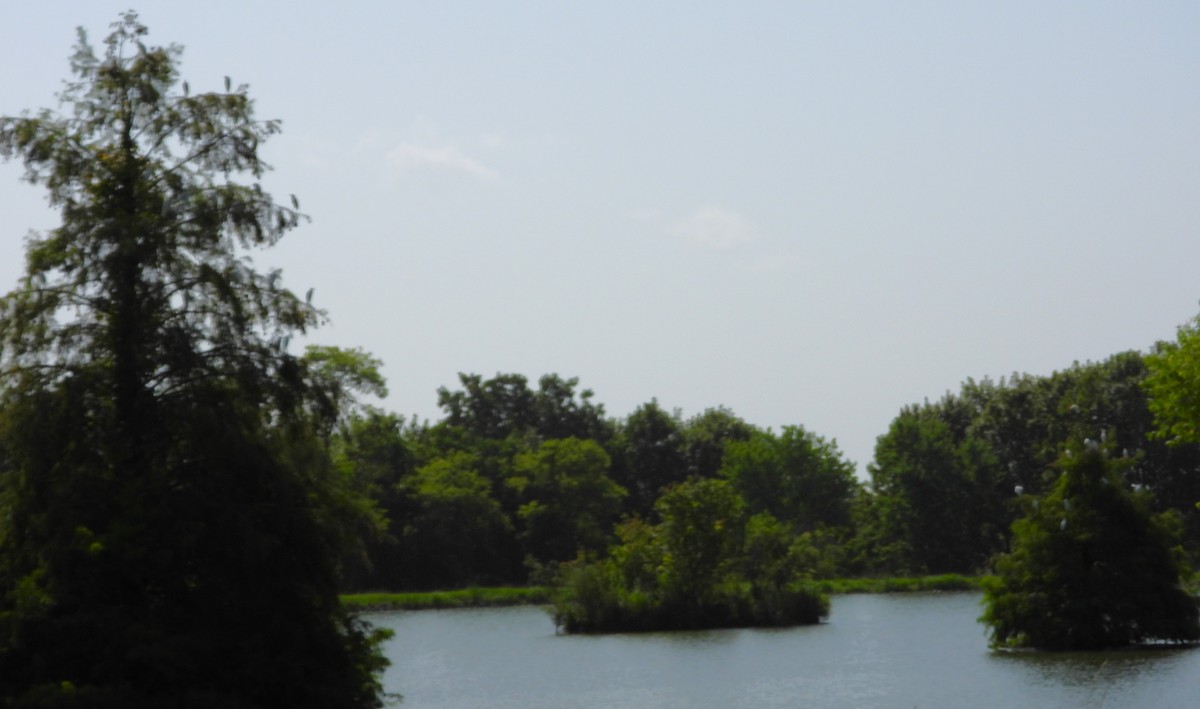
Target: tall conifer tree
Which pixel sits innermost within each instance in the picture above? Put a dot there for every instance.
(1090, 567)
(169, 522)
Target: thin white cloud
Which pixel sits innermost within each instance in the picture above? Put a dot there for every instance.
(409, 156)
(715, 228)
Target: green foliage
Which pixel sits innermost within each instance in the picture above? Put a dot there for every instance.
(170, 521)
(1174, 386)
(648, 456)
(903, 584)
(1090, 567)
(472, 597)
(456, 532)
(944, 473)
(341, 375)
(770, 557)
(932, 495)
(504, 406)
(705, 437)
(372, 454)
(702, 566)
(558, 498)
(560, 415)
(779, 568)
(796, 476)
(495, 408)
(639, 554)
(701, 533)
(506, 434)
(570, 502)
(941, 495)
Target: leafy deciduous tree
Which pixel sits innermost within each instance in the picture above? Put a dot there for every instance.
(648, 456)
(341, 375)
(797, 476)
(934, 493)
(1174, 385)
(705, 437)
(456, 534)
(701, 533)
(571, 502)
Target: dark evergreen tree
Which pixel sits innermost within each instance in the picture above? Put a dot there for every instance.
(1090, 566)
(169, 518)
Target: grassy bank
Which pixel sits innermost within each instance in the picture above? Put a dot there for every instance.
(539, 595)
(902, 584)
(461, 598)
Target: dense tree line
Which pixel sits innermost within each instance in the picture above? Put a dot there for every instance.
(516, 479)
(945, 482)
(522, 478)
(659, 521)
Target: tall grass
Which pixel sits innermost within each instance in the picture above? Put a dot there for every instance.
(461, 598)
(543, 595)
(902, 584)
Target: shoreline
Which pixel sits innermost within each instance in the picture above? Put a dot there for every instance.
(500, 596)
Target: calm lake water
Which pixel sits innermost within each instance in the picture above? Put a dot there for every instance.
(896, 651)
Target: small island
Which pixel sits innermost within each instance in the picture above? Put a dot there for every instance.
(704, 565)
(1091, 568)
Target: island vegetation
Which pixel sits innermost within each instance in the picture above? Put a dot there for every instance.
(1090, 566)
(183, 499)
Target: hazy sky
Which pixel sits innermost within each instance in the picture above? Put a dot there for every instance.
(811, 213)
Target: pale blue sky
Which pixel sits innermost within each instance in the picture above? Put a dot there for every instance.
(812, 213)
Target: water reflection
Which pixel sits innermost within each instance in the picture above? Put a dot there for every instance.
(875, 651)
(1109, 679)
(1081, 669)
